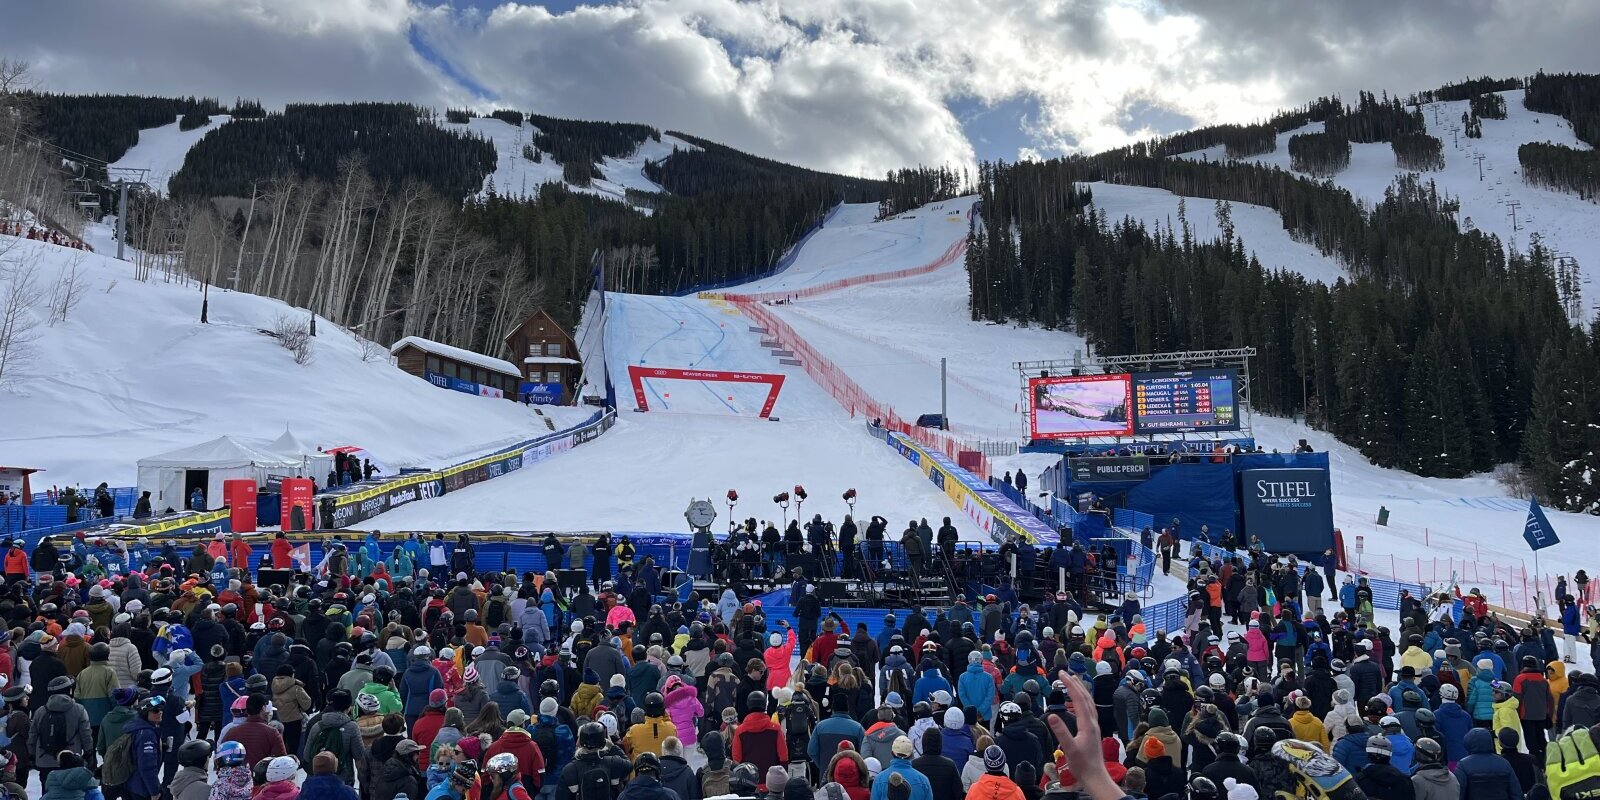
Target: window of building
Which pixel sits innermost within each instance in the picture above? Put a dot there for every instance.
(552, 349)
(449, 370)
(433, 364)
(535, 349)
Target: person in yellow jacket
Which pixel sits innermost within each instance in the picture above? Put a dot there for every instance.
(1307, 727)
(647, 736)
(1505, 712)
(1555, 674)
(1417, 658)
(587, 696)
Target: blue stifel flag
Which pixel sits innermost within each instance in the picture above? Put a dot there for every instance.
(1537, 531)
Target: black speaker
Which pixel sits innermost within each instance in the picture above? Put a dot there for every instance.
(832, 590)
(571, 579)
(266, 576)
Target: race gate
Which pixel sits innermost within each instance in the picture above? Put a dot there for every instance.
(638, 374)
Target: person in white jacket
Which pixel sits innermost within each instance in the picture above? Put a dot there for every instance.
(1344, 717)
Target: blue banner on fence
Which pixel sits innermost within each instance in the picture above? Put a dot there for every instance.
(446, 382)
(1289, 510)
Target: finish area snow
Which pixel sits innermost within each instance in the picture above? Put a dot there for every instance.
(698, 440)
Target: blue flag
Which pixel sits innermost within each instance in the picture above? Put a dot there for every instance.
(1537, 531)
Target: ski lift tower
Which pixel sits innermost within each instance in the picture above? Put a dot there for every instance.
(121, 179)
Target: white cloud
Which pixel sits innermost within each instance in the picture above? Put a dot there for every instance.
(857, 86)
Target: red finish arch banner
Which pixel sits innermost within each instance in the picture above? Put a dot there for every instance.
(637, 374)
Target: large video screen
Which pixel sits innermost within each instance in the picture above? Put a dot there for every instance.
(1192, 400)
(1078, 406)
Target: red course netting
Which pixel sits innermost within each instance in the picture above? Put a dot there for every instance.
(833, 379)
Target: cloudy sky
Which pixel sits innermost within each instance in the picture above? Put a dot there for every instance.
(854, 86)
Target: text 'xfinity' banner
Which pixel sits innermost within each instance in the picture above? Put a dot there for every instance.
(1289, 510)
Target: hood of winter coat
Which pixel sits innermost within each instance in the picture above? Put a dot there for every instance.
(1433, 773)
(1479, 741)
(76, 779)
(59, 703)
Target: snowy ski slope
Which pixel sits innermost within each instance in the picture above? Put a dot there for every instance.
(1259, 227)
(1564, 221)
(516, 176)
(132, 373)
(162, 151)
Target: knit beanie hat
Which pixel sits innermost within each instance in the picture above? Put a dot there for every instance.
(324, 763)
(994, 759)
(1153, 748)
(777, 779)
(899, 788)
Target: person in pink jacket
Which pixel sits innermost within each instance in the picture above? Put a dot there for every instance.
(618, 614)
(683, 704)
(1257, 652)
(777, 657)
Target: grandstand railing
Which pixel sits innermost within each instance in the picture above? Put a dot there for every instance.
(44, 514)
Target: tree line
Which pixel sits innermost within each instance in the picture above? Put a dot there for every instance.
(1418, 152)
(309, 140)
(1425, 357)
(915, 187)
(104, 126)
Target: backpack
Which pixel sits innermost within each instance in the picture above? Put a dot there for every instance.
(54, 736)
(714, 782)
(118, 765)
(594, 782)
(494, 613)
(1318, 775)
(331, 739)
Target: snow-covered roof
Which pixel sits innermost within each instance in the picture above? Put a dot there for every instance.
(456, 354)
(549, 360)
(219, 453)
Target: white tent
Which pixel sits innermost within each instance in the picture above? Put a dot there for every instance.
(314, 463)
(170, 477)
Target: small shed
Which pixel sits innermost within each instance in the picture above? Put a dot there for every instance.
(547, 353)
(449, 367)
(172, 476)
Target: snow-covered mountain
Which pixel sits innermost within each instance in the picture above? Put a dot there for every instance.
(1495, 200)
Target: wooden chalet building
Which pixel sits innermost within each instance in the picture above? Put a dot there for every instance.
(547, 354)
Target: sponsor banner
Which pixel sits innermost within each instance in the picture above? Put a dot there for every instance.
(1289, 510)
(201, 523)
(468, 387)
(363, 501)
(1123, 468)
(543, 393)
(997, 515)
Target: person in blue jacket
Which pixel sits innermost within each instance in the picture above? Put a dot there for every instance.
(930, 682)
(1453, 723)
(145, 750)
(1347, 595)
(975, 687)
(197, 500)
(1485, 774)
(1571, 625)
(1480, 693)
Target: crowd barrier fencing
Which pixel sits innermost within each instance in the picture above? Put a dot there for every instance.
(853, 398)
(45, 517)
(358, 502)
(994, 512)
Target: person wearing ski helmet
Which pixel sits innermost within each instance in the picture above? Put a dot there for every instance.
(502, 779)
(646, 784)
(591, 755)
(647, 736)
(190, 782)
(144, 749)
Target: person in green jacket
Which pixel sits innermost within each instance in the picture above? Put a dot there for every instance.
(121, 714)
(382, 687)
(95, 684)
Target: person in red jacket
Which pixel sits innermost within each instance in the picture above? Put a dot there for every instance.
(427, 726)
(758, 740)
(518, 742)
(239, 551)
(281, 550)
